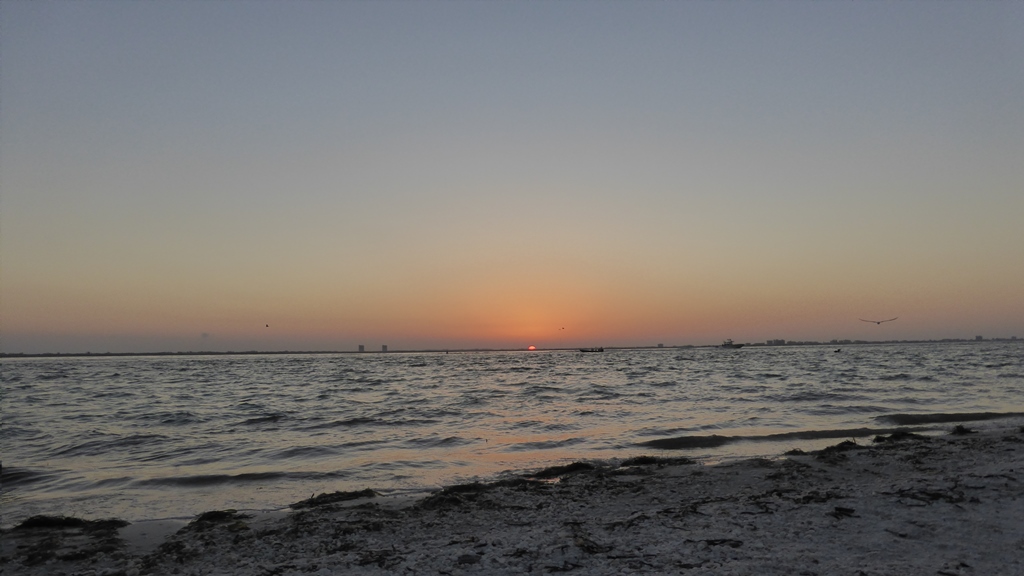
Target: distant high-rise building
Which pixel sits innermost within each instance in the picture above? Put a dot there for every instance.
(978, 338)
(362, 348)
(384, 348)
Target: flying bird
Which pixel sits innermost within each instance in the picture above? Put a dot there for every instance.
(878, 321)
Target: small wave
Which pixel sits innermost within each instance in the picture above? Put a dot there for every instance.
(360, 421)
(811, 396)
(304, 452)
(892, 377)
(540, 388)
(715, 440)
(544, 445)
(524, 424)
(13, 477)
(434, 442)
(111, 482)
(179, 418)
(265, 419)
(53, 376)
(910, 419)
(684, 442)
(559, 427)
(215, 479)
(96, 447)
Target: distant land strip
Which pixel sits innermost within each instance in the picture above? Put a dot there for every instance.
(484, 350)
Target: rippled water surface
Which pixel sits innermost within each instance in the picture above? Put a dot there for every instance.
(171, 436)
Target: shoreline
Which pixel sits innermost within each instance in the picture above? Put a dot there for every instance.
(949, 505)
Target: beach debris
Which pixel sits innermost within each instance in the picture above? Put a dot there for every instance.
(563, 567)
(633, 519)
(930, 495)
(763, 507)
(382, 558)
(730, 542)
(589, 546)
(819, 497)
(469, 559)
(332, 498)
(950, 569)
(961, 430)
(839, 512)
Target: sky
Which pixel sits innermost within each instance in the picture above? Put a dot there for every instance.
(213, 176)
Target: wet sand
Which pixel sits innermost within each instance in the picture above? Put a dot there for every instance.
(946, 505)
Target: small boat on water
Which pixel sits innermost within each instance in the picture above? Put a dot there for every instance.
(730, 344)
(591, 349)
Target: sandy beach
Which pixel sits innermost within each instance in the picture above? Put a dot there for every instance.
(902, 504)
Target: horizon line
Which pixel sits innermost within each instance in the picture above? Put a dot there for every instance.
(784, 343)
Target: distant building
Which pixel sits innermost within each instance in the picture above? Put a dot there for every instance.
(362, 348)
(661, 345)
(384, 348)
(979, 338)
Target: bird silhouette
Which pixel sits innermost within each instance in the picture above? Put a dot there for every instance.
(878, 321)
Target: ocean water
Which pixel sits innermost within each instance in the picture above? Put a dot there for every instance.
(172, 436)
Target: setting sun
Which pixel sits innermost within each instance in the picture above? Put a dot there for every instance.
(532, 348)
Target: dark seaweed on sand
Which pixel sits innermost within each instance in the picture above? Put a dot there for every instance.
(835, 453)
(961, 430)
(332, 498)
(557, 471)
(654, 460)
(461, 493)
(844, 446)
(65, 539)
(70, 522)
(477, 487)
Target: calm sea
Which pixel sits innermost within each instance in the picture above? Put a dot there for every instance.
(167, 437)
